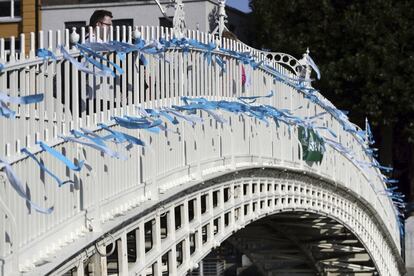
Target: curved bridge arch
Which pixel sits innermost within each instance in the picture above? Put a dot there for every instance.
(226, 204)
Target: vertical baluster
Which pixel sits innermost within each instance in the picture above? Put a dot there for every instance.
(3, 83)
(22, 88)
(152, 76)
(105, 96)
(142, 76)
(13, 91)
(140, 244)
(49, 79)
(129, 73)
(136, 73)
(22, 55)
(66, 78)
(162, 89)
(176, 77)
(172, 256)
(2, 51)
(110, 94)
(123, 77)
(117, 81)
(167, 71)
(31, 110)
(122, 255)
(97, 87)
(75, 96)
(83, 85)
(58, 88)
(197, 67)
(40, 86)
(3, 87)
(90, 92)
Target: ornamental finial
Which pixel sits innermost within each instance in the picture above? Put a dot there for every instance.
(221, 19)
(179, 25)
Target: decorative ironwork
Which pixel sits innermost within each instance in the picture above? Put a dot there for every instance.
(221, 19)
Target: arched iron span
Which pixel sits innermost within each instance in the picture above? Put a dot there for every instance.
(218, 212)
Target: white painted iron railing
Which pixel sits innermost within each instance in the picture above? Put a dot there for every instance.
(108, 187)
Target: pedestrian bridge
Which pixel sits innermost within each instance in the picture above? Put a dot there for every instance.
(212, 175)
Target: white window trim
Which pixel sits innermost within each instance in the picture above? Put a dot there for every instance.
(10, 18)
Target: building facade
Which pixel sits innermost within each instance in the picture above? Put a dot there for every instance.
(199, 14)
(18, 17)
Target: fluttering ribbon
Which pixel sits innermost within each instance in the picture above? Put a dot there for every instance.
(121, 137)
(83, 66)
(5, 111)
(313, 65)
(30, 99)
(138, 123)
(44, 168)
(86, 51)
(252, 99)
(19, 188)
(100, 148)
(45, 54)
(61, 157)
(193, 120)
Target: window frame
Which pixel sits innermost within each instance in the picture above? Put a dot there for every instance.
(12, 17)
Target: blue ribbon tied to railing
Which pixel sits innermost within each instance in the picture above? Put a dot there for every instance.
(5, 99)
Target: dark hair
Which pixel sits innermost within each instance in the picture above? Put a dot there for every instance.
(97, 16)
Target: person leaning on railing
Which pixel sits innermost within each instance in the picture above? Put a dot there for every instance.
(99, 19)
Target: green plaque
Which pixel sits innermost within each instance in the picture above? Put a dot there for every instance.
(313, 147)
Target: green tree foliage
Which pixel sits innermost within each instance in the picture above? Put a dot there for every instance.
(364, 49)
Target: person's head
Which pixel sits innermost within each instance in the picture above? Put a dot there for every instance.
(101, 18)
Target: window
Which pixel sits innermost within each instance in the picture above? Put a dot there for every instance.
(9, 8)
(166, 22)
(77, 24)
(122, 22)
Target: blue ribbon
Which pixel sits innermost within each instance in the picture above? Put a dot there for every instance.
(44, 168)
(189, 118)
(60, 157)
(313, 65)
(121, 137)
(138, 123)
(19, 188)
(99, 56)
(45, 54)
(252, 99)
(89, 135)
(30, 99)
(100, 148)
(5, 111)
